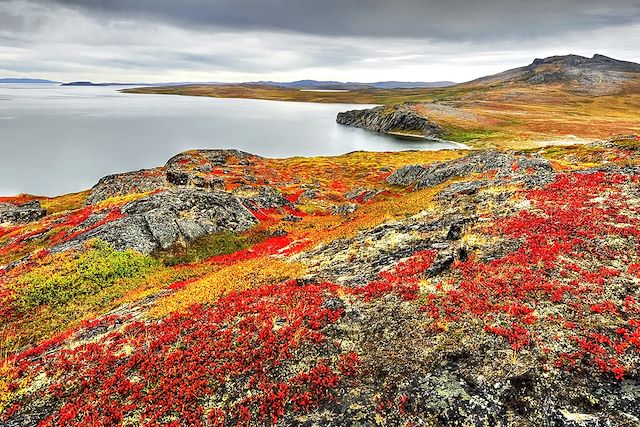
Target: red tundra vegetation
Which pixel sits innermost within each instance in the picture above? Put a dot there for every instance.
(352, 299)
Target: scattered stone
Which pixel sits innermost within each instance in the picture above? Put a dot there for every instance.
(310, 194)
(465, 188)
(344, 209)
(21, 214)
(266, 198)
(362, 195)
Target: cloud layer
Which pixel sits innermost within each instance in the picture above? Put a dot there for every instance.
(357, 40)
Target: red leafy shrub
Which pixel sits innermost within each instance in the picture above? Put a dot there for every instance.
(555, 279)
(274, 245)
(227, 363)
(402, 280)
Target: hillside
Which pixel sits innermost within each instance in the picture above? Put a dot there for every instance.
(599, 75)
(557, 100)
(412, 288)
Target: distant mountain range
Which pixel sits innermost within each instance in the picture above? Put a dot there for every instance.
(335, 85)
(598, 75)
(12, 80)
(299, 84)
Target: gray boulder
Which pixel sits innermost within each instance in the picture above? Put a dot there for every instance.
(21, 214)
(162, 220)
(127, 183)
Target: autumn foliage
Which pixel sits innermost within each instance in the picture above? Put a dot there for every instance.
(237, 330)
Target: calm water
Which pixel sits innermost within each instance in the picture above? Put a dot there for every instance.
(56, 140)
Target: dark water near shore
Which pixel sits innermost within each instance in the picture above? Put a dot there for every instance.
(56, 140)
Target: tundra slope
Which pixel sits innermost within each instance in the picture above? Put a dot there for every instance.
(560, 98)
(416, 288)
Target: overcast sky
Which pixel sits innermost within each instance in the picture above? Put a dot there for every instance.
(347, 40)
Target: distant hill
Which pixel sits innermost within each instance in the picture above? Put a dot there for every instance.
(411, 85)
(598, 75)
(335, 85)
(26, 81)
(299, 84)
(85, 83)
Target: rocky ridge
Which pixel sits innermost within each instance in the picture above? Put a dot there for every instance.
(400, 120)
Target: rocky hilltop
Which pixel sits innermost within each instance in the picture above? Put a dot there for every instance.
(464, 288)
(395, 120)
(599, 75)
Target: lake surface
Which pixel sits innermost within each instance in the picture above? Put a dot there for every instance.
(56, 140)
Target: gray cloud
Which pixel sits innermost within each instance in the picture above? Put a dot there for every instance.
(355, 40)
(433, 19)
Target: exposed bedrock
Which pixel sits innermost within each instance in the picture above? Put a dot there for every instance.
(400, 119)
(127, 183)
(21, 214)
(159, 221)
(531, 170)
(196, 168)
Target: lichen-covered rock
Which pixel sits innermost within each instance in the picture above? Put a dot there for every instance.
(161, 220)
(396, 119)
(359, 260)
(362, 195)
(466, 188)
(21, 214)
(530, 170)
(206, 158)
(120, 184)
(206, 168)
(265, 198)
(344, 209)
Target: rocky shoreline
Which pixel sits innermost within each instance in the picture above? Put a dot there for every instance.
(394, 120)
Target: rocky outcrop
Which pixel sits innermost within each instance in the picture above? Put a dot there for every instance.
(161, 220)
(359, 260)
(530, 170)
(399, 119)
(206, 168)
(266, 198)
(121, 184)
(21, 214)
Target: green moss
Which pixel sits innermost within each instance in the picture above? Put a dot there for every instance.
(631, 144)
(461, 135)
(209, 246)
(92, 278)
